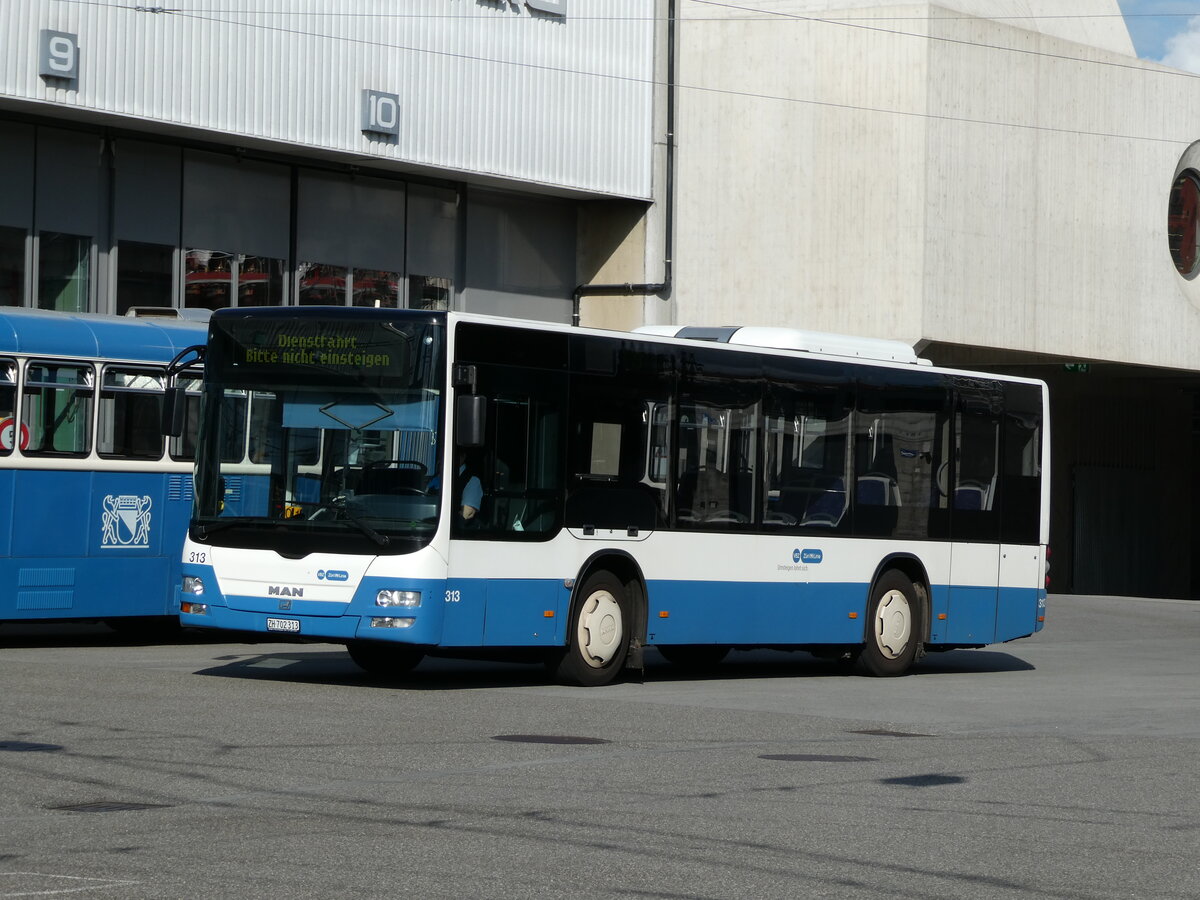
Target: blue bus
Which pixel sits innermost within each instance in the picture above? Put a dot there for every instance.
(444, 483)
(94, 501)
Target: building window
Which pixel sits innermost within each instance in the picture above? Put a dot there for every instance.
(63, 271)
(1183, 211)
(378, 288)
(429, 292)
(12, 266)
(143, 275)
(259, 281)
(213, 278)
(208, 279)
(321, 284)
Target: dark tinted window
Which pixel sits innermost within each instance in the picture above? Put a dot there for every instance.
(806, 444)
(718, 433)
(975, 486)
(520, 466)
(1020, 500)
(900, 431)
(620, 434)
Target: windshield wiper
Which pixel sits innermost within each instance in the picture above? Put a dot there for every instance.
(339, 503)
(222, 524)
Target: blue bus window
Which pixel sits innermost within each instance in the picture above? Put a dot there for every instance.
(57, 408)
(130, 413)
(184, 446)
(8, 404)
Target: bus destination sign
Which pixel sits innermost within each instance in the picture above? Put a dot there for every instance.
(325, 350)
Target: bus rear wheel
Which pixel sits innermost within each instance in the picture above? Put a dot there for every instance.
(894, 626)
(383, 659)
(598, 635)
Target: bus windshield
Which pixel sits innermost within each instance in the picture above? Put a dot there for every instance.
(321, 435)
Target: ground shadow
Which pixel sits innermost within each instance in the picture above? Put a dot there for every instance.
(332, 666)
(14, 635)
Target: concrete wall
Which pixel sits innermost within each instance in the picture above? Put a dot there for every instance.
(933, 177)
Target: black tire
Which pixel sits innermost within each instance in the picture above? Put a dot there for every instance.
(383, 659)
(895, 625)
(597, 633)
(694, 657)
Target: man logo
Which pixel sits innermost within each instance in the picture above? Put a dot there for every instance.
(278, 590)
(285, 604)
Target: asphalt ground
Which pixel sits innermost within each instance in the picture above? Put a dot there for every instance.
(1060, 766)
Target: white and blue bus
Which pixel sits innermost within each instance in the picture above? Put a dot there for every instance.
(452, 484)
(95, 503)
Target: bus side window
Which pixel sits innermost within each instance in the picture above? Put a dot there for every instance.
(806, 457)
(184, 446)
(1021, 482)
(898, 454)
(234, 409)
(9, 431)
(57, 408)
(130, 410)
(717, 463)
(974, 495)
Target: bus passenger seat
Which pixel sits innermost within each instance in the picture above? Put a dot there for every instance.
(877, 490)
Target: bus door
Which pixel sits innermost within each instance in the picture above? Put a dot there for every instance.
(505, 586)
(1022, 585)
(972, 486)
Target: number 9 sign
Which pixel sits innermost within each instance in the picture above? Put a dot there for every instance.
(59, 56)
(8, 430)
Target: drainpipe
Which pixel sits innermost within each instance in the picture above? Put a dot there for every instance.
(662, 288)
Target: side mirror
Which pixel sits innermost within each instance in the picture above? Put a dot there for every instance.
(174, 408)
(470, 419)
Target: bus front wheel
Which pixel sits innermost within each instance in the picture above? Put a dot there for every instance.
(383, 659)
(598, 633)
(893, 626)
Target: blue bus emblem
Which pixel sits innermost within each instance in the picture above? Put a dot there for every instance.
(812, 556)
(332, 575)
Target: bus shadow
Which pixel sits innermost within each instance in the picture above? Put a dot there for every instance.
(799, 664)
(16, 635)
(971, 662)
(334, 667)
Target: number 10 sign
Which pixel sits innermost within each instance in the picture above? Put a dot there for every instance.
(380, 113)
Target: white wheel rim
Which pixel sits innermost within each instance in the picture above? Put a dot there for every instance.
(893, 624)
(600, 630)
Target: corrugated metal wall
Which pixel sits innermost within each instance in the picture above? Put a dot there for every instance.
(484, 86)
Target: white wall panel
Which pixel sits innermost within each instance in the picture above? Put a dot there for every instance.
(485, 87)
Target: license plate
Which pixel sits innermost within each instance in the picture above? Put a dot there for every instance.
(292, 625)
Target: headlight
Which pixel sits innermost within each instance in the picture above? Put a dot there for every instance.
(398, 598)
(192, 585)
(196, 609)
(390, 622)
